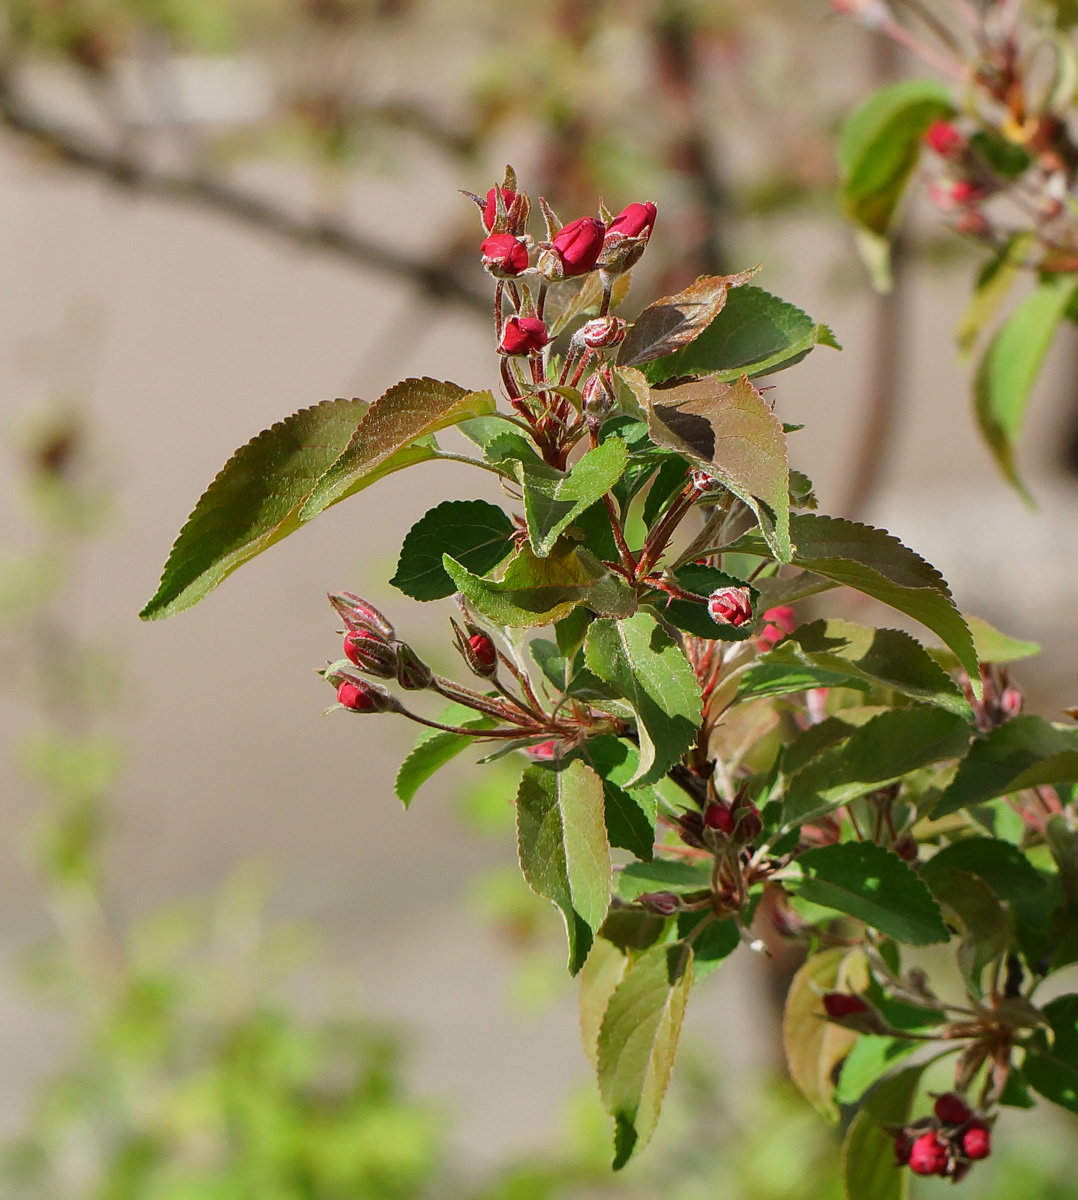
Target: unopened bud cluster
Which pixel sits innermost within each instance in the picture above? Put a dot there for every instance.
(947, 1143)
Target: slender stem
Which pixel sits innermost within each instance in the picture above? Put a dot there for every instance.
(476, 733)
(934, 23)
(624, 552)
(942, 62)
(462, 695)
(443, 456)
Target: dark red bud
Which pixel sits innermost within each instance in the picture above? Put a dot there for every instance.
(362, 696)
(951, 1109)
(691, 826)
(523, 335)
(903, 1146)
(907, 848)
(977, 1140)
(730, 606)
(490, 212)
(579, 244)
(842, 1004)
(504, 255)
(413, 674)
(945, 140)
(749, 821)
(603, 332)
(720, 817)
(483, 650)
(636, 220)
(371, 653)
(928, 1155)
(663, 903)
(359, 616)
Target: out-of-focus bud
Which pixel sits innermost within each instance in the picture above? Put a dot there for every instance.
(478, 650)
(903, 1146)
(719, 817)
(575, 249)
(490, 211)
(1010, 701)
(730, 606)
(523, 335)
(413, 674)
(945, 140)
(977, 1140)
(636, 220)
(873, 14)
(371, 653)
(599, 399)
(359, 616)
(665, 904)
(948, 195)
(748, 820)
(929, 1155)
(691, 828)
(971, 222)
(853, 1012)
(362, 696)
(542, 752)
(907, 848)
(504, 255)
(779, 622)
(951, 1109)
(603, 332)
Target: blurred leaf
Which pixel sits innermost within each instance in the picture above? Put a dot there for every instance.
(869, 1060)
(868, 1154)
(994, 281)
(476, 534)
(1051, 1066)
(980, 914)
(1003, 867)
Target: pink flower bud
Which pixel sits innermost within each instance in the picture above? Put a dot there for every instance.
(603, 332)
(478, 650)
(490, 212)
(842, 1004)
(720, 817)
(730, 606)
(523, 335)
(928, 1155)
(977, 1140)
(362, 696)
(945, 140)
(951, 1109)
(951, 194)
(543, 751)
(1010, 701)
(663, 903)
(637, 220)
(504, 255)
(371, 653)
(359, 616)
(579, 244)
(598, 396)
(780, 622)
(413, 674)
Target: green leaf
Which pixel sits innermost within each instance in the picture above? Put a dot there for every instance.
(410, 410)
(255, 501)
(434, 749)
(783, 673)
(692, 616)
(979, 912)
(539, 591)
(1051, 1066)
(870, 1059)
(991, 646)
(755, 334)
(883, 750)
(730, 430)
(648, 668)
(880, 146)
(553, 500)
(663, 875)
(874, 885)
(717, 941)
(1008, 759)
(673, 321)
(993, 283)
(630, 812)
(1003, 867)
(638, 1043)
(814, 1045)
(1010, 366)
(476, 534)
(564, 854)
(601, 974)
(872, 561)
(868, 1154)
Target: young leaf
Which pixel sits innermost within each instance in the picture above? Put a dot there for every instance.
(553, 500)
(564, 854)
(1002, 866)
(538, 591)
(476, 534)
(1009, 759)
(730, 429)
(881, 751)
(255, 500)
(880, 146)
(410, 410)
(601, 974)
(815, 1046)
(434, 749)
(868, 1154)
(638, 1042)
(874, 885)
(662, 875)
(1051, 1065)
(755, 334)
(673, 321)
(874, 562)
(1009, 369)
(994, 281)
(715, 943)
(648, 668)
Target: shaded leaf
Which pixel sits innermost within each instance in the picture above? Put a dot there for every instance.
(410, 410)
(476, 534)
(693, 617)
(1010, 366)
(710, 947)
(630, 812)
(1051, 1066)
(662, 875)
(754, 334)
(564, 854)
(731, 431)
(869, 1060)
(673, 321)
(1002, 866)
(980, 914)
(648, 668)
(638, 1043)
(868, 1153)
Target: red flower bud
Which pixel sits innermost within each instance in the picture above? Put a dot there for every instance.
(950, 194)
(523, 335)
(730, 606)
(977, 1140)
(903, 1146)
(637, 220)
(504, 255)
(542, 751)
(483, 649)
(603, 332)
(359, 616)
(579, 244)
(780, 622)
(371, 653)
(842, 1004)
(945, 140)
(490, 212)
(1010, 701)
(720, 817)
(362, 696)
(478, 650)
(413, 674)
(928, 1155)
(951, 1109)
(663, 903)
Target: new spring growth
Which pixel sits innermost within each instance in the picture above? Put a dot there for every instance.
(730, 606)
